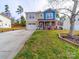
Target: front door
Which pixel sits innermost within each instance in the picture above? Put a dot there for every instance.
(41, 25)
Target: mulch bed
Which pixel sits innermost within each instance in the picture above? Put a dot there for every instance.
(74, 40)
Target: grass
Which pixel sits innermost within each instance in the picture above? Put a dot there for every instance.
(10, 29)
(46, 45)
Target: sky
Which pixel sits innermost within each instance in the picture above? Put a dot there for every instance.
(28, 5)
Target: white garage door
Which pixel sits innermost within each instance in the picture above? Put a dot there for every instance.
(31, 26)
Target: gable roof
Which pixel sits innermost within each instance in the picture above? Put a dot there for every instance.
(5, 16)
(50, 10)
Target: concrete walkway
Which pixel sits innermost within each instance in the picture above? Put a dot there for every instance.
(11, 42)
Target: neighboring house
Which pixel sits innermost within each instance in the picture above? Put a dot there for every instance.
(42, 20)
(66, 23)
(5, 22)
(7, 14)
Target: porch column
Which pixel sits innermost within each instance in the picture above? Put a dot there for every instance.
(44, 25)
(38, 24)
(56, 24)
(50, 24)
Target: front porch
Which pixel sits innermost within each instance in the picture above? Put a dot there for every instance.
(47, 24)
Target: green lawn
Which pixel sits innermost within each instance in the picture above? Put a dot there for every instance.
(46, 45)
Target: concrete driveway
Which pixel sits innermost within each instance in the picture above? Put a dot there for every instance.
(11, 42)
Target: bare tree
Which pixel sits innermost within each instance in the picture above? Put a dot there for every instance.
(72, 19)
(73, 15)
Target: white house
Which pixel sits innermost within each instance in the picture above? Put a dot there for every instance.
(5, 22)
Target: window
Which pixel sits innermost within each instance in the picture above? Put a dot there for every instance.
(41, 14)
(6, 24)
(29, 24)
(31, 16)
(49, 15)
(78, 19)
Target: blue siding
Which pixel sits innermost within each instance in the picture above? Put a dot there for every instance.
(52, 14)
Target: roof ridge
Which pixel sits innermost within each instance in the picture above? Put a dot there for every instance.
(5, 16)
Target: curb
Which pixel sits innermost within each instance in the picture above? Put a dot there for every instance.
(59, 36)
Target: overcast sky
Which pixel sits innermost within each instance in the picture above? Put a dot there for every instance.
(29, 5)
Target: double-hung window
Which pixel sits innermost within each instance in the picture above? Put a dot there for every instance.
(49, 15)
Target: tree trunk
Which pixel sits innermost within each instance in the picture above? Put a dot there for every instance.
(72, 19)
(71, 28)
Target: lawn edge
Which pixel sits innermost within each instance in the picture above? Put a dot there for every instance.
(66, 40)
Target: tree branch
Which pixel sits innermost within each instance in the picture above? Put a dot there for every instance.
(77, 13)
(65, 9)
(66, 15)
